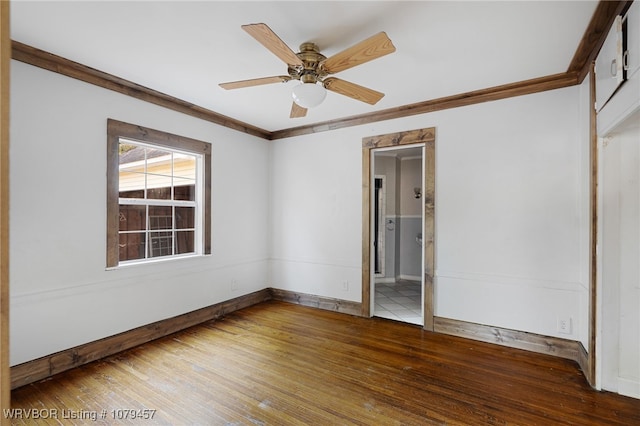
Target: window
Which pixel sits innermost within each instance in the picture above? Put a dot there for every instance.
(158, 195)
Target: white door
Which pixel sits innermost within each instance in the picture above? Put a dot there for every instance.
(620, 257)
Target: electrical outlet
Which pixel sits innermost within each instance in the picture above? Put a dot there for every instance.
(345, 285)
(234, 285)
(564, 325)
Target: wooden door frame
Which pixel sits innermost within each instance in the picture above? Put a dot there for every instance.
(5, 63)
(383, 209)
(427, 138)
(589, 369)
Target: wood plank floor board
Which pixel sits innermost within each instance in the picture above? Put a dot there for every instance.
(230, 393)
(393, 384)
(430, 382)
(163, 387)
(277, 363)
(286, 368)
(234, 375)
(240, 383)
(382, 358)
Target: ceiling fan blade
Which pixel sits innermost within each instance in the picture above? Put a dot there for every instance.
(271, 41)
(352, 90)
(297, 111)
(255, 82)
(365, 51)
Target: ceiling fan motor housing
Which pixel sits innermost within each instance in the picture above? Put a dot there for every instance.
(311, 58)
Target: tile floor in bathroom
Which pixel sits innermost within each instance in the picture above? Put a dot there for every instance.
(400, 301)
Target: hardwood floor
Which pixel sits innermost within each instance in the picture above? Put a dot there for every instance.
(283, 364)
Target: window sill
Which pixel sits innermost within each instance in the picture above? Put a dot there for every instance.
(160, 260)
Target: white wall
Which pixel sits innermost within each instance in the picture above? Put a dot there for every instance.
(410, 221)
(61, 294)
(316, 193)
(410, 177)
(511, 215)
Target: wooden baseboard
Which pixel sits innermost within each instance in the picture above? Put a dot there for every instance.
(563, 348)
(41, 368)
(327, 303)
(583, 362)
(47, 366)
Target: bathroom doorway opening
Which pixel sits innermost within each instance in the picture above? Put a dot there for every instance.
(397, 287)
(398, 226)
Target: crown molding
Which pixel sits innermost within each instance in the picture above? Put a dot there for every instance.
(48, 61)
(525, 87)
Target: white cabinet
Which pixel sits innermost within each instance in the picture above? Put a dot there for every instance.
(632, 52)
(609, 65)
(618, 96)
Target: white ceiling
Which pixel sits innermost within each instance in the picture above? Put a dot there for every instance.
(185, 49)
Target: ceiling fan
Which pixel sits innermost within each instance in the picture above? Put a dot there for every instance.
(312, 68)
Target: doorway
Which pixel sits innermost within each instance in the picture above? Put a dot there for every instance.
(398, 226)
(397, 233)
(619, 275)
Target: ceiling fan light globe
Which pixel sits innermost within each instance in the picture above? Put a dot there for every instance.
(309, 95)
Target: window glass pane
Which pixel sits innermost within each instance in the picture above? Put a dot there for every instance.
(132, 246)
(133, 218)
(133, 194)
(159, 193)
(160, 217)
(159, 187)
(160, 243)
(158, 159)
(131, 184)
(185, 242)
(130, 153)
(185, 190)
(159, 168)
(185, 217)
(184, 166)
